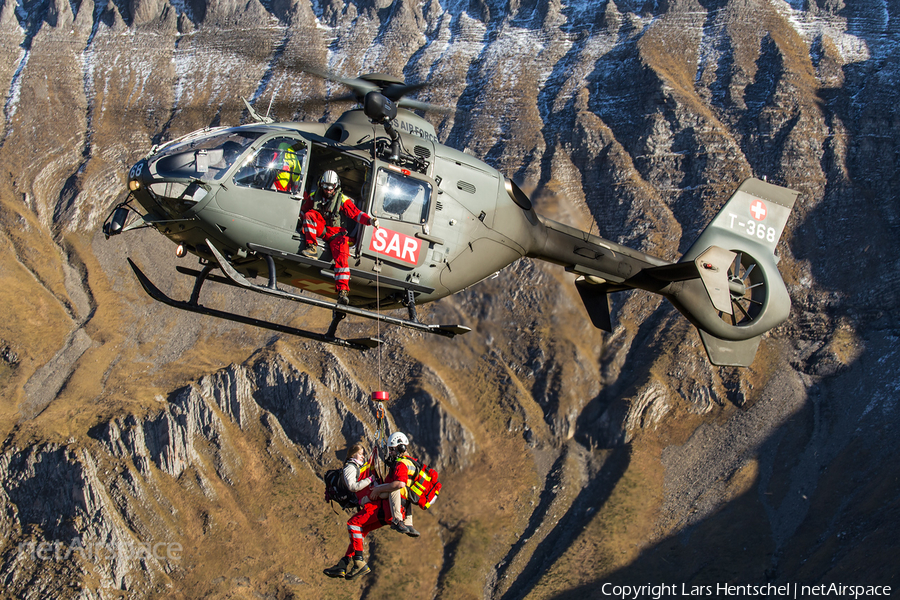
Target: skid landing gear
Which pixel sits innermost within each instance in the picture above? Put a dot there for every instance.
(236, 278)
(339, 311)
(336, 318)
(193, 306)
(410, 304)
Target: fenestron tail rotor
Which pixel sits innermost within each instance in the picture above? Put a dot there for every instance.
(751, 297)
(748, 290)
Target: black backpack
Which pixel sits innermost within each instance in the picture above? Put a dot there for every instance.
(336, 490)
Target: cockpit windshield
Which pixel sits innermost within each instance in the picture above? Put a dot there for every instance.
(205, 158)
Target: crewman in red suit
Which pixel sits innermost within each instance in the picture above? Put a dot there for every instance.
(396, 487)
(325, 212)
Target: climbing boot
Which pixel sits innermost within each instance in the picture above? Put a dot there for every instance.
(412, 531)
(357, 567)
(340, 569)
(311, 251)
(397, 525)
(344, 297)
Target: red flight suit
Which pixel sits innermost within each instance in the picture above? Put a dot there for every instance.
(369, 518)
(328, 227)
(375, 514)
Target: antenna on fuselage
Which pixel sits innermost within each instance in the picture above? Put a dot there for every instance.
(255, 115)
(269, 110)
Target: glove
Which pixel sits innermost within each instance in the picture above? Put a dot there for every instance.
(375, 223)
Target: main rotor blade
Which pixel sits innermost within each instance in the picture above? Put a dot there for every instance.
(393, 88)
(395, 92)
(426, 106)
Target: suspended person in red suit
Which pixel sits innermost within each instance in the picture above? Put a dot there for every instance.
(377, 513)
(359, 481)
(369, 518)
(324, 212)
(396, 487)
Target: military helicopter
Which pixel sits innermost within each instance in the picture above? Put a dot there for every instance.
(232, 197)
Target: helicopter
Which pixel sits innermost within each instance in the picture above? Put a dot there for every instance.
(232, 197)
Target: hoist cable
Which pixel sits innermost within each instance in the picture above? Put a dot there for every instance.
(378, 320)
(381, 421)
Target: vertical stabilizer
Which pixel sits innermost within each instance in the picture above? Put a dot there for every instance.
(748, 228)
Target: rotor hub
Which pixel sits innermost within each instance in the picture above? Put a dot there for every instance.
(737, 287)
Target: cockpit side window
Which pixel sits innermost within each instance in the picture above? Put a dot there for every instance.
(401, 198)
(204, 158)
(277, 166)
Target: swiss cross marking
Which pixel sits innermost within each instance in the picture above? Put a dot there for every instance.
(316, 287)
(758, 210)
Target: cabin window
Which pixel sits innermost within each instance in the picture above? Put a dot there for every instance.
(401, 198)
(205, 158)
(276, 166)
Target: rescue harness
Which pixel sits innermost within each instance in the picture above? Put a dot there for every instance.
(330, 209)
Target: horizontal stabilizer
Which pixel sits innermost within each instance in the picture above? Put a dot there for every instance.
(679, 271)
(711, 267)
(725, 353)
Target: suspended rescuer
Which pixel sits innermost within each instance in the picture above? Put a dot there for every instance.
(396, 486)
(358, 481)
(378, 513)
(327, 213)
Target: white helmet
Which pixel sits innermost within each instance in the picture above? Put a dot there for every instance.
(330, 184)
(397, 439)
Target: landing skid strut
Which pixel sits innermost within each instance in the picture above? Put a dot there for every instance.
(237, 278)
(340, 312)
(155, 293)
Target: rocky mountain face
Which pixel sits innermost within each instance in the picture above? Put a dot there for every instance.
(149, 453)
